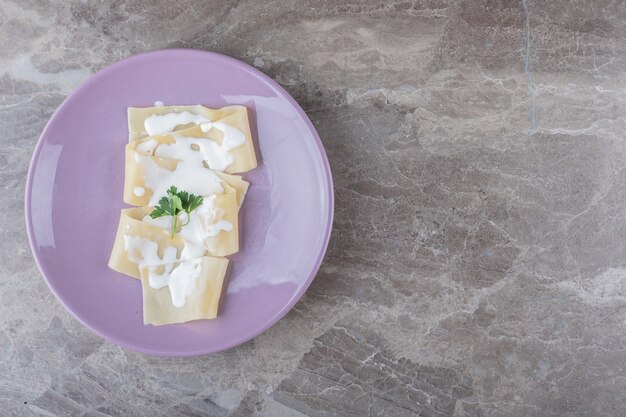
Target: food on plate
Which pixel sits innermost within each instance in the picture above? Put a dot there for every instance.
(138, 243)
(182, 291)
(178, 172)
(221, 135)
(212, 223)
(148, 178)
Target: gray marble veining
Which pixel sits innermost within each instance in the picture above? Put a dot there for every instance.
(478, 261)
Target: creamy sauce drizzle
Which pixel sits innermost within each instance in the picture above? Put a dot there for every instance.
(178, 274)
(158, 124)
(147, 146)
(180, 278)
(206, 150)
(145, 252)
(233, 137)
(186, 148)
(188, 175)
(216, 228)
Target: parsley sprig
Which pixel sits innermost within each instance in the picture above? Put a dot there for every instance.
(174, 203)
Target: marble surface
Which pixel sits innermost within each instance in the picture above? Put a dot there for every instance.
(478, 261)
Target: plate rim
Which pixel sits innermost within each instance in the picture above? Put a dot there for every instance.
(328, 178)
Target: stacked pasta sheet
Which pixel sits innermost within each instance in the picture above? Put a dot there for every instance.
(179, 173)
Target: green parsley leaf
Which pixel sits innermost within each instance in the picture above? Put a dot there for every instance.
(195, 201)
(174, 203)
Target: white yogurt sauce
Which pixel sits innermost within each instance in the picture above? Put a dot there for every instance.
(186, 148)
(192, 251)
(233, 137)
(158, 124)
(216, 228)
(189, 176)
(179, 274)
(147, 146)
(217, 156)
(180, 278)
(207, 150)
(145, 252)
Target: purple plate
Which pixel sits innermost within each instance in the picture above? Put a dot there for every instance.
(74, 196)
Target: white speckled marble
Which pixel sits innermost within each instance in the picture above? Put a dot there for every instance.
(478, 261)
